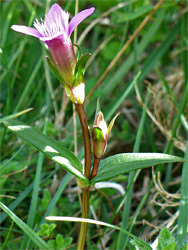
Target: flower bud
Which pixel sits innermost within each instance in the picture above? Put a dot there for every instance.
(100, 134)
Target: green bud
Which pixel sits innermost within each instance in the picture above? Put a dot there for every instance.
(100, 134)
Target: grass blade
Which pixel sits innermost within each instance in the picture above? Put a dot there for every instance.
(28, 85)
(159, 52)
(122, 241)
(182, 231)
(6, 118)
(25, 228)
(63, 218)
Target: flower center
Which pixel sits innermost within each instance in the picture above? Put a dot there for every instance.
(52, 24)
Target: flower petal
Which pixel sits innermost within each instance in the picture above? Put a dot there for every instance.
(79, 18)
(49, 38)
(26, 30)
(59, 17)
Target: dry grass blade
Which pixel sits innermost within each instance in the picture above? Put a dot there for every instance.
(166, 133)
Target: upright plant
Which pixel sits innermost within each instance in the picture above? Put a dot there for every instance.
(55, 31)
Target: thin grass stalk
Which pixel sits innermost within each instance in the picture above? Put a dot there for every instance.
(28, 85)
(141, 26)
(97, 20)
(184, 54)
(6, 239)
(136, 149)
(122, 239)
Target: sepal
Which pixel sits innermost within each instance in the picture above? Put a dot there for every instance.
(76, 93)
(98, 108)
(55, 71)
(80, 69)
(111, 125)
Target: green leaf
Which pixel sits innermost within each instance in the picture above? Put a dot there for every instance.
(138, 245)
(124, 163)
(171, 246)
(51, 148)
(46, 230)
(165, 238)
(60, 241)
(68, 241)
(25, 228)
(52, 244)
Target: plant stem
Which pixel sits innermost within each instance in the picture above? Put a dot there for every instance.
(87, 167)
(86, 138)
(85, 211)
(95, 168)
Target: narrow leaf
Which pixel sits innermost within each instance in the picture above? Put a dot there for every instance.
(51, 148)
(2, 119)
(76, 219)
(124, 163)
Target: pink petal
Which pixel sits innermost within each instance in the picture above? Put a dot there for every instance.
(54, 10)
(26, 30)
(56, 13)
(49, 38)
(79, 18)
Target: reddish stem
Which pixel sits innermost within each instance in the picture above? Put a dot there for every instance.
(95, 168)
(86, 138)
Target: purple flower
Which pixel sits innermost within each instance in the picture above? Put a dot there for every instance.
(55, 31)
